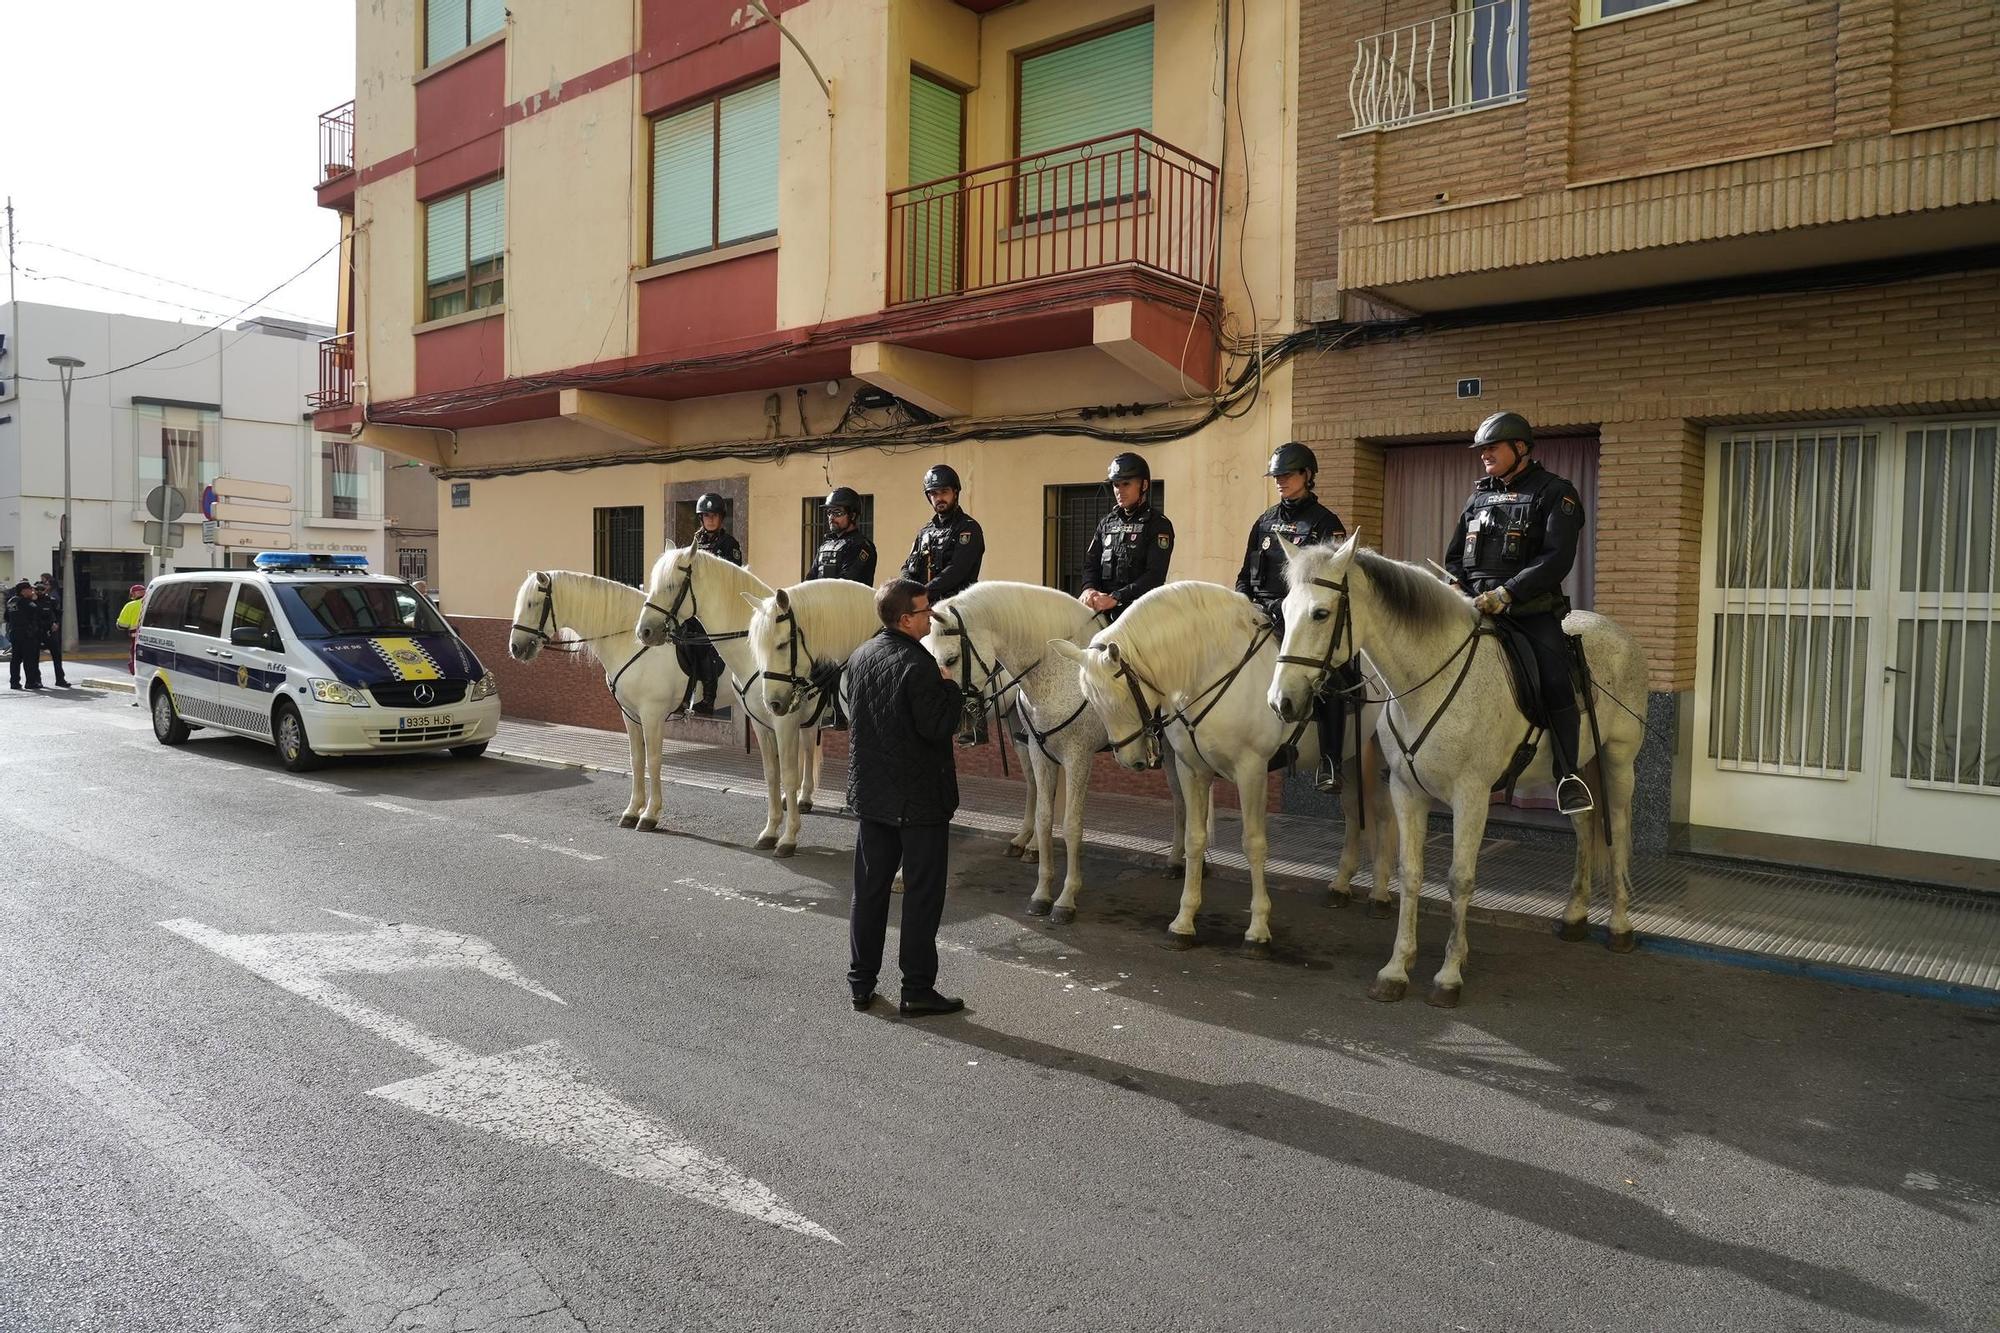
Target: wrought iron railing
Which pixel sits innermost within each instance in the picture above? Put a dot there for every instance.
(1123, 199)
(1469, 58)
(336, 143)
(336, 373)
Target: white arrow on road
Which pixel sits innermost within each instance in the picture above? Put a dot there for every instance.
(534, 1095)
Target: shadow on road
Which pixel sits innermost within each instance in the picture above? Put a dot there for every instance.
(411, 777)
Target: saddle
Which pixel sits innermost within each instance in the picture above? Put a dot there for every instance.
(1524, 675)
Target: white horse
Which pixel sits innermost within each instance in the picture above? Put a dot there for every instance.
(800, 639)
(1191, 662)
(993, 639)
(687, 584)
(647, 683)
(1452, 727)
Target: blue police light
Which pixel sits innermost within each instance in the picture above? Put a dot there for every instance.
(283, 560)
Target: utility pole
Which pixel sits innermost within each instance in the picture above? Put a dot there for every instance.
(13, 308)
(66, 367)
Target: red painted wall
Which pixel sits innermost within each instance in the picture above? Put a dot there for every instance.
(713, 304)
(461, 104)
(462, 355)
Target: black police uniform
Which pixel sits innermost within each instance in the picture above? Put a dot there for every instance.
(1299, 522)
(701, 662)
(1521, 535)
(946, 555)
(1128, 555)
(844, 555)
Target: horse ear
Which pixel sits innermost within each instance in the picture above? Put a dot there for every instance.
(1111, 652)
(1065, 649)
(784, 602)
(542, 580)
(751, 600)
(1345, 551)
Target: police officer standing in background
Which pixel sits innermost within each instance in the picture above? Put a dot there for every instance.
(845, 554)
(700, 660)
(1128, 555)
(1298, 519)
(946, 555)
(1513, 546)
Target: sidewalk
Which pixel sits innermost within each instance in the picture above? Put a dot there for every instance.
(1852, 930)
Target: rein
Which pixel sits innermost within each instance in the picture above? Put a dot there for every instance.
(1156, 720)
(540, 629)
(677, 627)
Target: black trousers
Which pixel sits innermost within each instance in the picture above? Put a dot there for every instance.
(923, 851)
(28, 657)
(54, 649)
(1552, 671)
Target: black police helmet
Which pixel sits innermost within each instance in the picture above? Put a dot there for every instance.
(710, 503)
(941, 477)
(843, 497)
(1292, 457)
(1128, 467)
(1504, 426)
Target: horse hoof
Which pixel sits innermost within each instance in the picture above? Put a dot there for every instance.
(1573, 931)
(1029, 856)
(1380, 908)
(805, 807)
(648, 825)
(1039, 906)
(1013, 851)
(1179, 942)
(1258, 949)
(627, 821)
(1336, 899)
(1387, 991)
(785, 849)
(1176, 869)
(1622, 941)
(1062, 916)
(1443, 997)
(767, 842)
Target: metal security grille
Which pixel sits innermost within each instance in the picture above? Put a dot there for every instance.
(413, 563)
(1795, 546)
(1946, 730)
(1070, 518)
(620, 545)
(812, 531)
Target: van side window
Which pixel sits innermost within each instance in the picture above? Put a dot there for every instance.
(252, 610)
(165, 606)
(204, 609)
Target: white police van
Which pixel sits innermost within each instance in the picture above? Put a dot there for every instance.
(314, 654)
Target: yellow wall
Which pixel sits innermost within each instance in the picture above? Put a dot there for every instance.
(388, 49)
(391, 244)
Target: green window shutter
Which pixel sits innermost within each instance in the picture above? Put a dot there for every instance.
(747, 176)
(444, 29)
(1085, 91)
(930, 222)
(486, 229)
(488, 17)
(444, 239)
(683, 182)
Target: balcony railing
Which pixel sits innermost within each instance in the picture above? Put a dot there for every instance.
(1456, 62)
(336, 374)
(1124, 199)
(336, 143)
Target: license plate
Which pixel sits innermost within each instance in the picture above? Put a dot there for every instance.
(424, 721)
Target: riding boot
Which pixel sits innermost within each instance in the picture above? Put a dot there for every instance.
(1330, 717)
(1572, 793)
(705, 706)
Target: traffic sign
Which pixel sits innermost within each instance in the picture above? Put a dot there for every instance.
(262, 540)
(165, 534)
(163, 552)
(208, 502)
(226, 512)
(166, 503)
(208, 531)
(233, 488)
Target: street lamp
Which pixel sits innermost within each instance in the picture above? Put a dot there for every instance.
(67, 366)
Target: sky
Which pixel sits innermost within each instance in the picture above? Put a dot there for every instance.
(155, 149)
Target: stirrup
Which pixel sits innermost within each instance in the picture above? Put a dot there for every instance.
(1326, 780)
(1573, 796)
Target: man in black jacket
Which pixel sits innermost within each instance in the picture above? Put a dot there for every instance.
(49, 594)
(902, 785)
(26, 624)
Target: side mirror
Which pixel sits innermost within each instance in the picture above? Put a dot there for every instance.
(248, 636)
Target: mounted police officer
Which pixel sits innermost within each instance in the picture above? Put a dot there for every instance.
(946, 555)
(701, 662)
(1129, 553)
(1513, 546)
(845, 554)
(1298, 519)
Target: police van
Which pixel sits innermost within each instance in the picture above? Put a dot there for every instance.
(314, 654)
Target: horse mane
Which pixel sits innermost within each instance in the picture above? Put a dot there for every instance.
(606, 604)
(1024, 616)
(1409, 593)
(734, 578)
(1158, 630)
(835, 615)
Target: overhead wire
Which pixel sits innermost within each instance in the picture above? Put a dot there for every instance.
(156, 277)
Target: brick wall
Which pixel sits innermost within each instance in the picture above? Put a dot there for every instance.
(1946, 64)
(1458, 160)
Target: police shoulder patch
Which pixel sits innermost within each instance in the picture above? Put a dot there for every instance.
(965, 538)
(1166, 539)
(1267, 543)
(1569, 504)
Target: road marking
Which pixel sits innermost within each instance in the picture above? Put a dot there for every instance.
(723, 891)
(555, 847)
(502, 1292)
(395, 809)
(301, 784)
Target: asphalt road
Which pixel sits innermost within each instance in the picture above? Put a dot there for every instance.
(643, 1103)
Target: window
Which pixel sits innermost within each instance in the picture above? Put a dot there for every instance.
(347, 482)
(253, 611)
(203, 614)
(1491, 38)
(930, 219)
(1083, 89)
(715, 173)
(465, 250)
(1071, 515)
(324, 610)
(620, 545)
(813, 529)
(413, 563)
(175, 447)
(1596, 10)
(165, 606)
(452, 25)
(683, 522)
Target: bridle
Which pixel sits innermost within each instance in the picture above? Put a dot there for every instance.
(805, 688)
(1156, 718)
(984, 686)
(1323, 666)
(677, 625)
(547, 620)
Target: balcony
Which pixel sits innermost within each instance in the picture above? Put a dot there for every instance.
(336, 374)
(335, 177)
(1124, 200)
(1457, 62)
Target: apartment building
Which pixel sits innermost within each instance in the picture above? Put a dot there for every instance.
(1736, 261)
(604, 257)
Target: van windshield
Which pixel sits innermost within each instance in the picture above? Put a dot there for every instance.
(327, 610)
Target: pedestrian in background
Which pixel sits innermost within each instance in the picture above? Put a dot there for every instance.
(25, 626)
(49, 593)
(128, 620)
(902, 785)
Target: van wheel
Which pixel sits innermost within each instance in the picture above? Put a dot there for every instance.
(472, 751)
(168, 728)
(289, 730)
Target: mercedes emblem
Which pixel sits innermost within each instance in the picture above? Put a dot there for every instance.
(424, 694)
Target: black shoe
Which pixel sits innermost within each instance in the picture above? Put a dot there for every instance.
(61, 684)
(1573, 796)
(704, 708)
(862, 1003)
(34, 687)
(1327, 780)
(927, 1003)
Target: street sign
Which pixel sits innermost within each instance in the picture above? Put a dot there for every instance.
(165, 534)
(233, 488)
(224, 511)
(208, 531)
(208, 502)
(166, 503)
(257, 537)
(163, 552)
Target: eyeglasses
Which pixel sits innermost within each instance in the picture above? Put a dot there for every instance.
(920, 611)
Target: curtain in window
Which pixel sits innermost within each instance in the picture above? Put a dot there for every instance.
(1084, 91)
(930, 222)
(683, 182)
(180, 459)
(747, 176)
